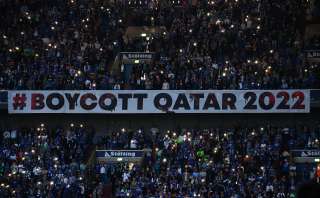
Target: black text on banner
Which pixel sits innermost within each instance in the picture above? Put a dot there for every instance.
(160, 101)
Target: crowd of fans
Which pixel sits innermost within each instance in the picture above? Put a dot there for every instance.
(236, 44)
(313, 10)
(219, 162)
(313, 43)
(42, 162)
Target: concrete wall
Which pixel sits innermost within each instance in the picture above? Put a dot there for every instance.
(105, 123)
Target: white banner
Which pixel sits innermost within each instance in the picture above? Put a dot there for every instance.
(160, 101)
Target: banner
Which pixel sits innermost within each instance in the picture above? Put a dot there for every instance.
(119, 155)
(313, 55)
(306, 156)
(137, 55)
(160, 101)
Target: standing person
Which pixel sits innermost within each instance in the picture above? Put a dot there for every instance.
(318, 173)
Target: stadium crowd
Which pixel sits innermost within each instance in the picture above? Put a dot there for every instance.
(42, 162)
(236, 44)
(219, 162)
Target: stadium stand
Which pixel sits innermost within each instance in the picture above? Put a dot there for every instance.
(159, 98)
(208, 45)
(216, 162)
(37, 162)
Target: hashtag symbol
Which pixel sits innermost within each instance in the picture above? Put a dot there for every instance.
(19, 101)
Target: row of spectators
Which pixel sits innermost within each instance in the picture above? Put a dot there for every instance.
(313, 43)
(42, 162)
(219, 162)
(313, 10)
(238, 44)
